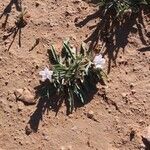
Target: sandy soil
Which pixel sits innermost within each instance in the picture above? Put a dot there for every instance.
(121, 114)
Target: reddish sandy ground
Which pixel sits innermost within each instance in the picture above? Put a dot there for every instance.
(129, 82)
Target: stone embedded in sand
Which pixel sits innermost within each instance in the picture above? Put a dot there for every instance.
(69, 147)
(20, 106)
(124, 95)
(142, 147)
(148, 34)
(133, 92)
(146, 134)
(90, 114)
(131, 85)
(18, 92)
(74, 128)
(25, 96)
(37, 4)
(62, 148)
(28, 129)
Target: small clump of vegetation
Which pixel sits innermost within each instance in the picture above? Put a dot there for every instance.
(21, 21)
(122, 7)
(73, 75)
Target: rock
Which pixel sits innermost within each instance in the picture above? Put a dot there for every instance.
(124, 95)
(88, 143)
(133, 92)
(141, 122)
(4, 105)
(102, 92)
(28, 129)
(76, 1)
(132, 135)
(62, 148)
(69, 147)
(20, 106)
(123, 62)
(74, 128)
(131, 85)
(11, 97)
(46, 138)
(109, 111)
(18, 92)
(70, 115)
(146, 134)
(148, 34)
(37, 4)
(25, 96)
(142, 147)
(90, 114)
(69, 11)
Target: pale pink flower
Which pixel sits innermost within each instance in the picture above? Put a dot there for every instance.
(46, 74)
(99, 62)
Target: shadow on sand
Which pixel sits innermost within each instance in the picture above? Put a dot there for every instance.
(19, 24)
(114, 34)
(54, 102)
(8, 9)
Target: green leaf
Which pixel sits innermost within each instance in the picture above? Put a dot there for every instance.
(70, 99)
(68, 50)
(84, 49)
(54, 55)
(87, 68)
(78, 92)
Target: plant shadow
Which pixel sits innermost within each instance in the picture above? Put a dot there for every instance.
(8, 8)
(144, 49)
(146, 143)
(54, 103)
(112, 33)
(16, 29)
(19, 23)
(13, 31)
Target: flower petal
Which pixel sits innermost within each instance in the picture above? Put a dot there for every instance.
(99, 66)
(42, 73)
(99, 61)
(46, 74)
(103, 61)
(43, 78)
(46, 70)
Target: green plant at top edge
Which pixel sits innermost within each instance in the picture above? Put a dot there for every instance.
(122, 7)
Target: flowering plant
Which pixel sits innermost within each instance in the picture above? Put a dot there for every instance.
(73, 73)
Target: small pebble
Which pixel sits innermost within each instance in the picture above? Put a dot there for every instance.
(37, 4)
(74, 128)
(109, 111)
(25, 96)
(62, 148)
(124, 95)
(90, 114)
(69, 147)
(28, 129)
(20, 106)
(133, 92)
(131, 86)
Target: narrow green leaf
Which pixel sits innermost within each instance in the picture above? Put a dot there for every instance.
(68, 50)
(70, 99)
(54, 54)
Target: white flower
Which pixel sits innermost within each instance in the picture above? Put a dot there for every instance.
(99, 61)
(46, 74)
